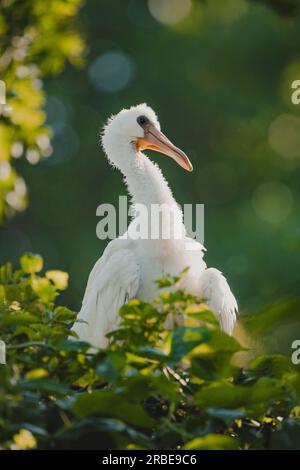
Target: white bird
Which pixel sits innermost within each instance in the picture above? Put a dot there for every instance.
(128, 267)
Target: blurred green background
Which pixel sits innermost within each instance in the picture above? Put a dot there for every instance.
(218, 74)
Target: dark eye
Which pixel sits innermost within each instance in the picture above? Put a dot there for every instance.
(142, 120)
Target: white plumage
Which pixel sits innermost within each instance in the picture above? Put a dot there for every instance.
(129, 267)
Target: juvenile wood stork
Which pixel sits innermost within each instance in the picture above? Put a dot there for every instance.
(128, 267)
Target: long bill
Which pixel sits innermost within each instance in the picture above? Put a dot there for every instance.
(155, 140)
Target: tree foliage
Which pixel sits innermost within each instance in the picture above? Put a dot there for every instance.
(151, 388)
(37, 38)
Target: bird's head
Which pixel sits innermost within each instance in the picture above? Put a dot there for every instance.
(138, 128)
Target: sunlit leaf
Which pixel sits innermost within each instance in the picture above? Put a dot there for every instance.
(212, 442)
(31, 263)
(59, 278)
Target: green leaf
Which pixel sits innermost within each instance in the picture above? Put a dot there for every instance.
(225, 414)
(45, 385)
(59, 278)
(34, 429)
(37, 374)
(43, 288)
(109, 403)
(213, 361)
(17, 318)
(184, 339)
(111, 367)
(31, 263)
(153, 353)
(222, 343)
(201, 313)
(139, 387)
(64, 314)
(227, 395)
(71, 345)
(102, 428)
(275, 365)
(212, 442)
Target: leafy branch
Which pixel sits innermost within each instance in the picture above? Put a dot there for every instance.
(151, 388)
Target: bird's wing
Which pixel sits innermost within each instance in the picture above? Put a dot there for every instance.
(218, 296)
(112, 282)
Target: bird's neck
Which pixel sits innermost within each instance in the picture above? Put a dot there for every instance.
(149, 189)
(146, 183)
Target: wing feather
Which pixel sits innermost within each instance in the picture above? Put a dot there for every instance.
(218, 296)
(113, 280)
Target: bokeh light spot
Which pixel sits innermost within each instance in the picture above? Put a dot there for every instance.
(43, 142)
(272, 202)
(170, 11)
(33, 156)
(17, 149)
(284, 135)
(111, 71)
(5, 171)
